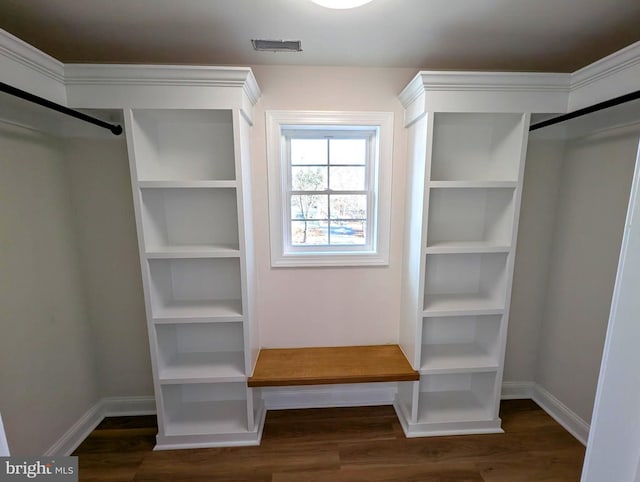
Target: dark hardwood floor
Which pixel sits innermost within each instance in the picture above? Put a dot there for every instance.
(342, 444)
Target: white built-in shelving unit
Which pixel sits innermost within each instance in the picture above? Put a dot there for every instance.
(465, 181)
(190, 173)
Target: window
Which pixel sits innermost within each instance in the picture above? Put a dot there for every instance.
(329, 188)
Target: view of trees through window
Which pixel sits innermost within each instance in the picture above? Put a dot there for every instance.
(328, 191)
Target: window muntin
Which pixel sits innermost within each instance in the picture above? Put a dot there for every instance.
(330, 189)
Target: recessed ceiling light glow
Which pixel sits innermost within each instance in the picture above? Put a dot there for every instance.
(341, 4)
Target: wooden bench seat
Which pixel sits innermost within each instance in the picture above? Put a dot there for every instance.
(331, 365)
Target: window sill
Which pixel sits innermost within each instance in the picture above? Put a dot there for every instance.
(305, 260)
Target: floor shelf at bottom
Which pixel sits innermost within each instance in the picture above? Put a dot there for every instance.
(194, 418)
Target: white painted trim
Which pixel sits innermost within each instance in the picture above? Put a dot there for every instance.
(483, 81)
(517, 390)
(76, 434)
(600, 70)
(30, 57)
(354, 395)
(163, 75)
(4, 446)
(610, 77)
(27, 68)
(107, 407)
(128, 406)
(321, 396)
(562, 414)
(275, 123)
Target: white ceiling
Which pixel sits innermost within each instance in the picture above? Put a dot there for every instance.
(541, 35)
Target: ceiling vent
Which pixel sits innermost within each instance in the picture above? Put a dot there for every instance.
(277, 45)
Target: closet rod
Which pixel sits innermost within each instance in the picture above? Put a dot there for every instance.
(587, 110)
(114, 128)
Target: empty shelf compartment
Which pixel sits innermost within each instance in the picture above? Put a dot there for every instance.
(462, 343)
(180, 221)
(200, 352)
(457, 397)
(195, 288)
(465, 283)
(476, 146)
(464, 218)
(184, 144)
(200, 409)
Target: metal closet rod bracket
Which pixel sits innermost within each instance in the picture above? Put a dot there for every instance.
(115, 129)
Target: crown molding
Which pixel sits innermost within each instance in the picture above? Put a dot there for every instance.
(30, 57)
(608, 66)
(163, 75)
(445, 81)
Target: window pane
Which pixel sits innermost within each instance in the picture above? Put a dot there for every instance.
(309, 151)
(349, 207)
(348, 178)
(348, 232)
(348, 151)
(305, 233)
(308, 178)
(309, 206)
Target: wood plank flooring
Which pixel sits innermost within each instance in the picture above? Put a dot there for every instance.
(328, 365)
(342, 444)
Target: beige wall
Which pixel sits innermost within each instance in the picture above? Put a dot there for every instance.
(101, 193)
(594, 193)
(533, 251)
(328, 306)
(47, 366)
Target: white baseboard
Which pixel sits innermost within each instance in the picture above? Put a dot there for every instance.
(107, 407)
(517, 390)
(321, 396)
(562, 414)
(80, 430)
(365, 394)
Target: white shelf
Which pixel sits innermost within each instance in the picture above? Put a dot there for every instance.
(186, 184)
(462, 247)
(188, 311)
(476, 146)
(188, 167)
(462, 304)
(204, 367)
(455, 358)
(464, 181)
(192, 251)
(457, 397)
(472, 184)
(184, 145)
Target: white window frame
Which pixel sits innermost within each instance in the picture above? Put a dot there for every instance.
(376, 252)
